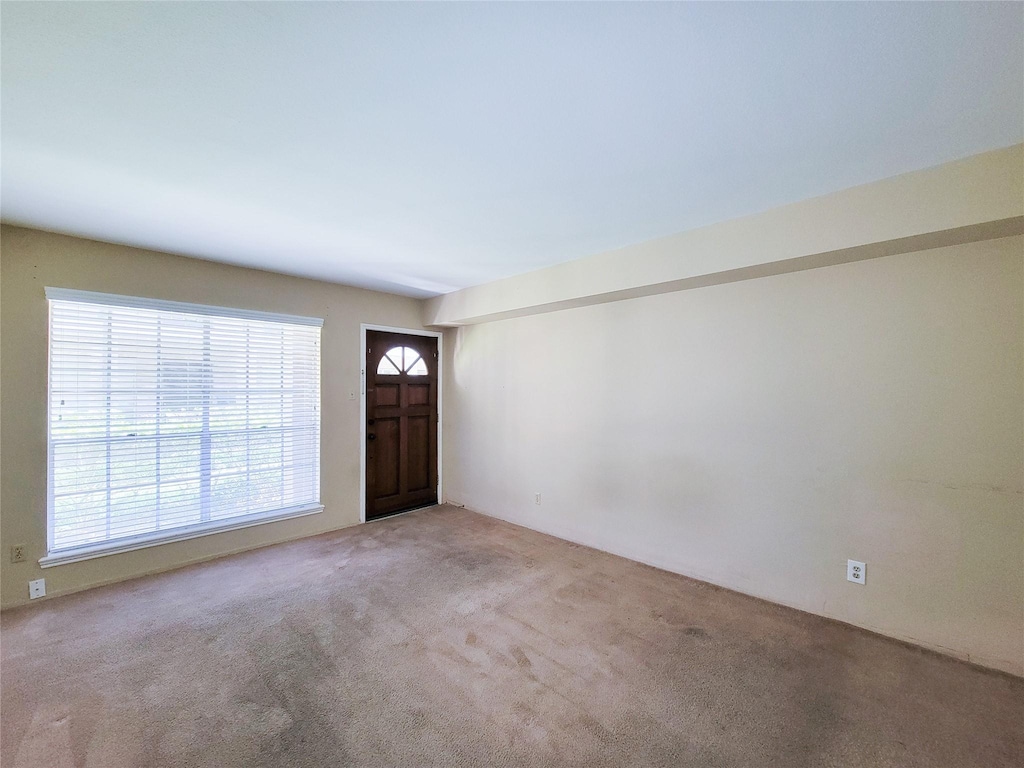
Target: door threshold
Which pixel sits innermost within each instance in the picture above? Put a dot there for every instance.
(387, 515)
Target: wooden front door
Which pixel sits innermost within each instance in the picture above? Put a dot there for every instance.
(401, 422)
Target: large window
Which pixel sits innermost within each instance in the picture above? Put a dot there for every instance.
(168, 420)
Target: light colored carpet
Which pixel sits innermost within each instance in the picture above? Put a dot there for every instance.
(444, 638)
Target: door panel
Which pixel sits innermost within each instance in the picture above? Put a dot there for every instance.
(387, 456)
(387, 394)
(419, 456)
(401, 422)
(419, 394)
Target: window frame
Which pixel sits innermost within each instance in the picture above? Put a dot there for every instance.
(155, 538)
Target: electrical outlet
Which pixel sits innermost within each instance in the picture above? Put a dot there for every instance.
(536, 498)
(855, 571)
(37, 588)
(18, 553)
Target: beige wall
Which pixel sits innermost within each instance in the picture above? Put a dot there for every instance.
(757, 434)
(31, 260)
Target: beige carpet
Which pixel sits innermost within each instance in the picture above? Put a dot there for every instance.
(444, 638)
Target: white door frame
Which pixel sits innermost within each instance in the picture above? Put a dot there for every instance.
(363, 328)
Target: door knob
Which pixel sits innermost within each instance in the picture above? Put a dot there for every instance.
(371, 436)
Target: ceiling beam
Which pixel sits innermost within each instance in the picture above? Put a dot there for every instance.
(977, 198)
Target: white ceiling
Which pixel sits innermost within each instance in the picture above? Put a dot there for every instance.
(419, 148)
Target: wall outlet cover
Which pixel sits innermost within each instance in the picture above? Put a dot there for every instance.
(18, 553)
(855, 571)
(37, 588)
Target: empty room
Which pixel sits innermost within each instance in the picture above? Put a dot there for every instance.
(471, 384)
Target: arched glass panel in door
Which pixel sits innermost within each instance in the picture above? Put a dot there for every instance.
(398, 360)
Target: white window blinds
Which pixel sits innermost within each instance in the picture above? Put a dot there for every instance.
(168, 418)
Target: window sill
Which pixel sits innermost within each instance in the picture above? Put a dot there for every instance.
(166, 537)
